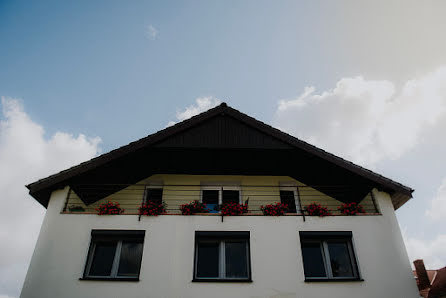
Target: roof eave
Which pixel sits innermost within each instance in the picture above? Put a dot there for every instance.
(399, 192)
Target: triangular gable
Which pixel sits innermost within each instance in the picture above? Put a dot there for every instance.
(223, 131)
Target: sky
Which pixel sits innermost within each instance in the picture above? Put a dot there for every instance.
(365, 80)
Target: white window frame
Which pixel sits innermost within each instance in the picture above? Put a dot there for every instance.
(153, 186)
(222, 259)
(115, 264)
(323, 245)
(220, 192)
(291, 187)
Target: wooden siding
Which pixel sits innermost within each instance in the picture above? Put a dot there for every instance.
(182, 189)
(223, 132)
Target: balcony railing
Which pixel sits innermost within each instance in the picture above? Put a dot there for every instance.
(132, 196)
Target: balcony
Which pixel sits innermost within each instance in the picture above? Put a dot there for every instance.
(298, 197)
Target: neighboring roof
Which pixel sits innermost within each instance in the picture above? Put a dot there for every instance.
(430, 274)
(254, 134)
(438, 287)
(437, 280)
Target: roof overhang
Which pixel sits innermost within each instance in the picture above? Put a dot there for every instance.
(219, 141)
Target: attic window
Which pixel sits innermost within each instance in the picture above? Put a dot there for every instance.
(288, 197)
(213, 196)
(154, 194)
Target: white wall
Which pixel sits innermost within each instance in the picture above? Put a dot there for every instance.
(167, 265)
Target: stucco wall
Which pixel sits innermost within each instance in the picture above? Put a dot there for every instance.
(167, 265)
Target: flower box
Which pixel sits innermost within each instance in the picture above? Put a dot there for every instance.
(193, 208)
(109, 208)
(276, 209)
(315, 209)
(152, 208)
(351, 208)
(233, 209)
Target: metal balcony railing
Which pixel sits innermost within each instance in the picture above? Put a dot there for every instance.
(175, 195)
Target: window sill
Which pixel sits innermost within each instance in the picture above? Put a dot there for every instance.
(110, 278)
(332, 279)
(220, 280)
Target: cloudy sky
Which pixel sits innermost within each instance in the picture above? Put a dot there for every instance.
(364, 80)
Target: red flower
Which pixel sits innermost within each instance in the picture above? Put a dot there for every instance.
(109, 208)
(317, 210)
(152, 208)
(274, 210)
(193, 207)
(351, 208)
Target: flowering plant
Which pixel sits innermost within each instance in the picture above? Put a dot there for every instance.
(109, 208)
(274, 209)
(233, 208)
(351, 208)
(317, 210)
(152, 208)
(193, 207)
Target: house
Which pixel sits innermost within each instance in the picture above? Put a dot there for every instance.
(431, 283)
(234, 164)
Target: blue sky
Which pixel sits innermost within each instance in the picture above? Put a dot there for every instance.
(361, 80)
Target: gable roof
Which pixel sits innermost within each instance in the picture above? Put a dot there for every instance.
(221, 128)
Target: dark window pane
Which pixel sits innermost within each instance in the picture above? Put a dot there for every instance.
(341, 265)
(102, 262)
(207, 259)
(130, 261)
(287, 197)
(313, 260)
(210, 198)
(155, 195)
(236, 259)
(231, 196)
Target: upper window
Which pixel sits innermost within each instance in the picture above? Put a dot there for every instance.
(215, 196)
(328, 255)
(288, 197)
(222, 256)
(114, 254)
(154, 194)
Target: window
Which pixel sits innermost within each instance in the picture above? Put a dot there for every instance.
(210, 198)
(222, 256)
(215, 196)
(154, 194)
(114, 255)
(287, 197)
(328, 256)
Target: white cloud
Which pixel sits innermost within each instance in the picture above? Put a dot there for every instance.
(151, 32)
(26, 155)
(432, 252)
(366, 121)
(437, 210)
(201, 104)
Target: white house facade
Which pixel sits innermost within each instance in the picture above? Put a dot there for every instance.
(219, 158)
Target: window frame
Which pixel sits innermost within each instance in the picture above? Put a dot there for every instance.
(118, 237)
(220, 192)
(293, 188)
(154, 186)
(324, 238)
(222, 237)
